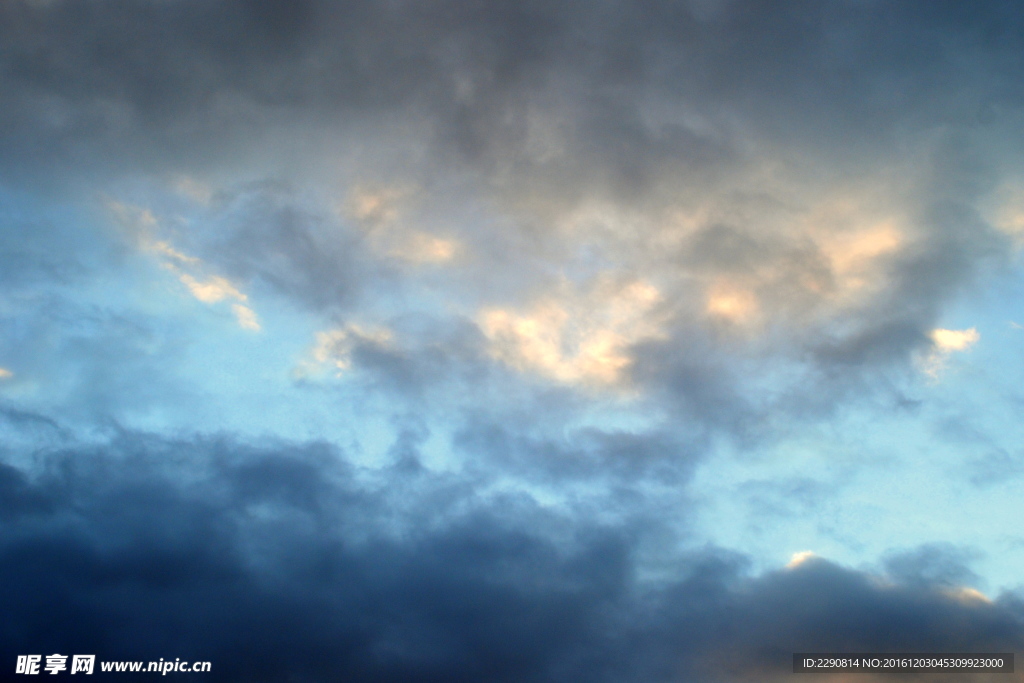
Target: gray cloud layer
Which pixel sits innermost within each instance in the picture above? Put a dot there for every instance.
(825, 73)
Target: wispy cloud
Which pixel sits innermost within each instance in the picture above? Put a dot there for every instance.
(144, 229)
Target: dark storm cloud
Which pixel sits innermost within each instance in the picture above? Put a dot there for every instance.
(279, 564)
(820, 605)
(284, 563)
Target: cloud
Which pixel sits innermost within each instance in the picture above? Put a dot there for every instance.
(212, 290)
(144, 229)
(934, 564)
(1005, 209)
(548, 104)
(945, 342)
(799, 558)
(89, 363)
(282, 561)
(954, 340)
(195, 190)
(790, 193)
(337, 346)
(246, 317)
(576, 339)
(380, 215)
(599, 459)
(262, 234)
(566, 250)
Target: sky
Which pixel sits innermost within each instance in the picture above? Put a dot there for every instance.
(511, 341)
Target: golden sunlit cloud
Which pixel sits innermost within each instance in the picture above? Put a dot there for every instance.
(857, 230)
(954, 340)
(809, 261)
(167, 250)
(945, 342)
(573, 339)
(799, 558)
(215, 289)
(246, 317)
(211, 290)
(5, 373)
(855, 256)
(731, 303)
(966, 595)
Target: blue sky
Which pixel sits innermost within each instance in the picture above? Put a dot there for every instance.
(429, 328)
